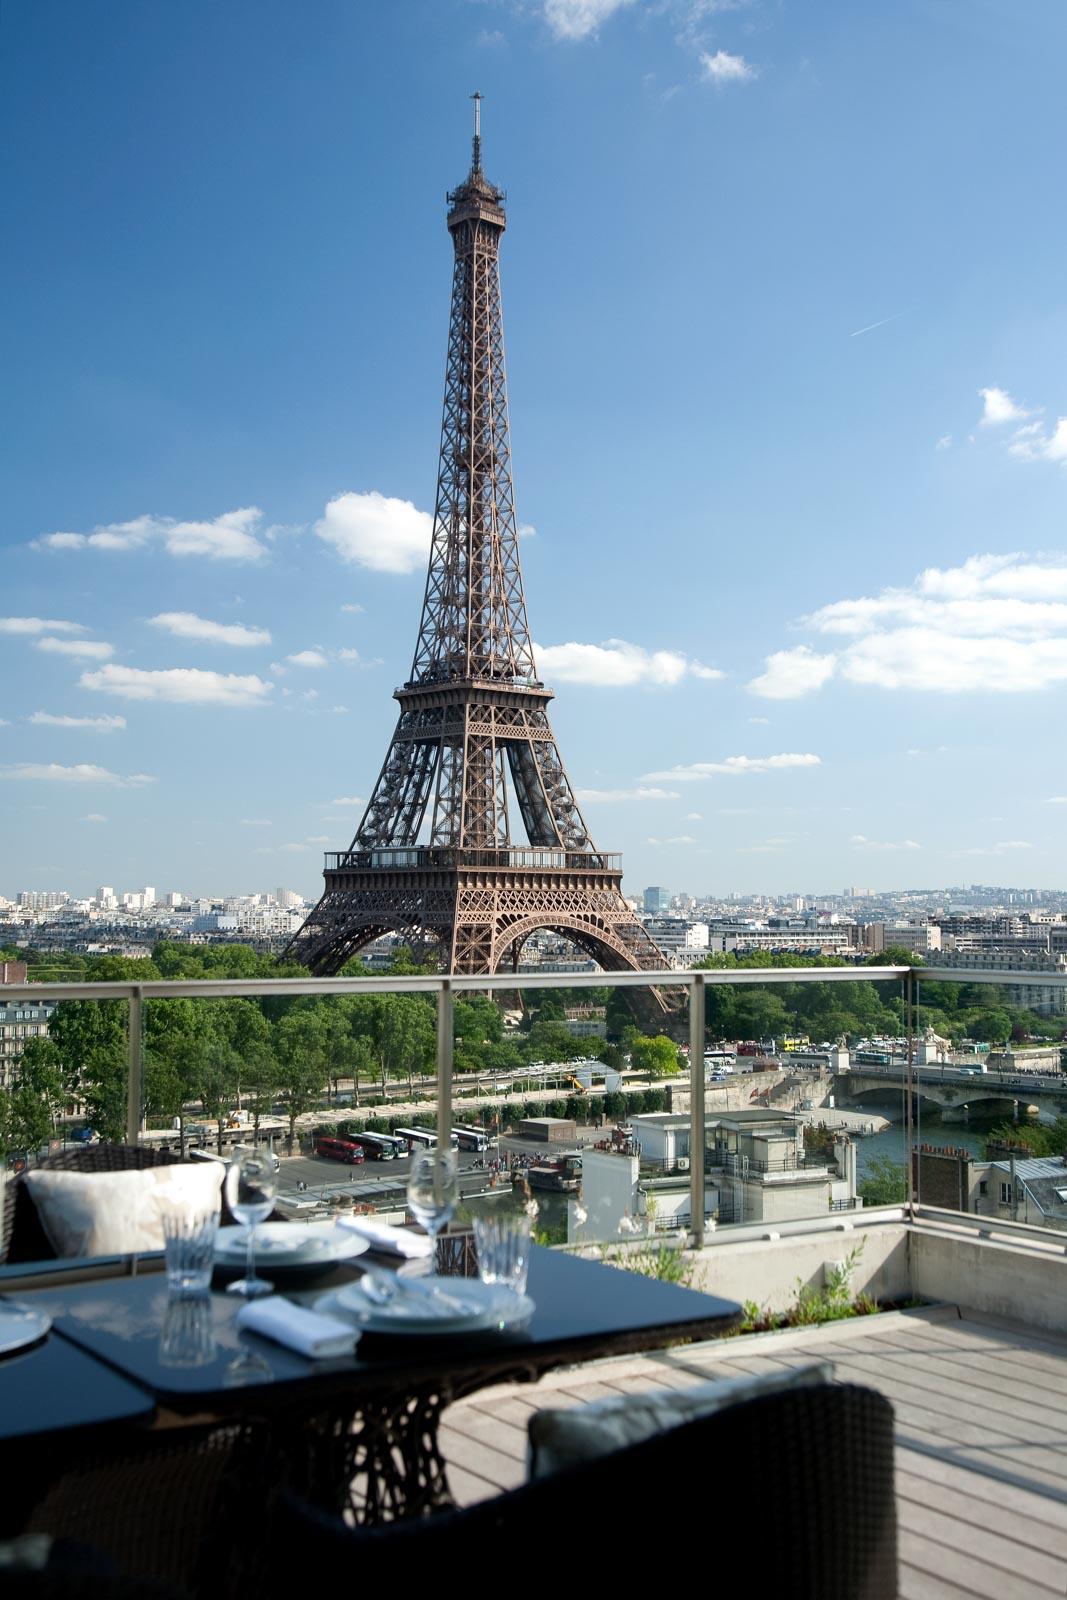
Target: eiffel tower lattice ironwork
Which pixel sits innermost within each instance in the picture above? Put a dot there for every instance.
(433, 858)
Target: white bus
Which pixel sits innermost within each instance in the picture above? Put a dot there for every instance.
(375, 1147)
(426, 1137)
(401, 1146)
(472, 1138)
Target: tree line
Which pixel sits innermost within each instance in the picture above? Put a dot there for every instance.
(285, 1054)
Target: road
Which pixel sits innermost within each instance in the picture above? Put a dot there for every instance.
(332, 1176)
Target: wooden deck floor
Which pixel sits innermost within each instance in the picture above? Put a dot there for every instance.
(981, 1432)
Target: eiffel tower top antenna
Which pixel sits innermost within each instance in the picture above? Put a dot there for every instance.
(476, 142)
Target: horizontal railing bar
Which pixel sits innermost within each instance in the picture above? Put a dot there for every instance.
(976, 1222)
(1020, 977)
(430, 983)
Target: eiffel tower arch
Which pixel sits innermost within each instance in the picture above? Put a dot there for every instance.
(434, 858)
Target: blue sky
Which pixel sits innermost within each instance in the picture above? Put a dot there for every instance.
(226, 273)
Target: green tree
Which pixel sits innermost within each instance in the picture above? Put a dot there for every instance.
(40, 1071)
(90, 1036)
(300, 1049)
(658, 1057)
(885, 1182)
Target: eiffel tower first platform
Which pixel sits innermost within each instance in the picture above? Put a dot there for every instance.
(434, 858)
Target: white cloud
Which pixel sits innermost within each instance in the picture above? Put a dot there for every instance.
(183, 685)
(347, 800)
(187, 625)
(354, 659)
(94, 816)
(692, 816)
(84, 772)
(229, 537)
(1056, 800)
(45, 719)
(788, 674)
(607, 796)
(733, 766)
(307, 658)
(615, 664)
(355, 609)
(1004, 848)
(1031, 444)
(722, 68)
(858, 842)
(256, 822)
(678, 838)
(526, 530)
(944, 443)
(999, 407)
(38, 625)
(83, 649)
(376, 531)
(578, 19)
(995, 622)
(318, 838)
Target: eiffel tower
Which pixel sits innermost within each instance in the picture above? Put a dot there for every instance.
(434, 858)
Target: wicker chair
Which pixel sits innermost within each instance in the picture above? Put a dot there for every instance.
(791, 1492)
(24, 1237)
(150, 1516)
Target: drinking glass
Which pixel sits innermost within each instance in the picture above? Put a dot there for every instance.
(189, 1250)
(433, 1189)
(503, 1245)
(187, 1337)
(250, 1186)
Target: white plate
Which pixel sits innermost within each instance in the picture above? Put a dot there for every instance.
(418, 1309)
(289, 1244)
(21, 1325)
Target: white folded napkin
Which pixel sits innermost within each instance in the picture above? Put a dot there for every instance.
(309, 1333)
(383, 1236)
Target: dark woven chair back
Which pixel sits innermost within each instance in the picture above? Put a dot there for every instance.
(24, 1238)
(793, 1490)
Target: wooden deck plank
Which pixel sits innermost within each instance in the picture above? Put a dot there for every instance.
(1016, 1507)
(951, 1522)
(941, 1377)
(973, 1340)
(974, 1576)
(480, 1459)
(484, 1429)
(917, 1584)
(467, 1488)
(960, 1417)
(994, 1384)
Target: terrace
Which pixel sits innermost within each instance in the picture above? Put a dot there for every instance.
(975, 1373)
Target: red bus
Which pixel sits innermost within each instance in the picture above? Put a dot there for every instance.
(339, 1150)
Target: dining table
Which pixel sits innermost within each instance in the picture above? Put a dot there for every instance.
(355, 1433)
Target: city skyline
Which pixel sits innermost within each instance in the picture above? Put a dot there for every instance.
(791, 494)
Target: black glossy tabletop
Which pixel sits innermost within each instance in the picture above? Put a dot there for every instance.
(584, 1310)
(55, 1387)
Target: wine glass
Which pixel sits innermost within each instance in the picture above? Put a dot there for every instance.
(251, 1184)
(433, 1189)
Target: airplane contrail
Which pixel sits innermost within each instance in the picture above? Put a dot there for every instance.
(872, 325)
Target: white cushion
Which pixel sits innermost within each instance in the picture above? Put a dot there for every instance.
(559, 1439)
(119, 1213)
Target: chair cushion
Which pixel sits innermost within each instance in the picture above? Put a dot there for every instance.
(119, 1213)
(561, 1439)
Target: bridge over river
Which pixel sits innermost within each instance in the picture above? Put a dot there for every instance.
(952, 1088)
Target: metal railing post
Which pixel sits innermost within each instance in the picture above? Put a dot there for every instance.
(696, 1109)
(134, 1068)
(444, 1064)
(909, 1090)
